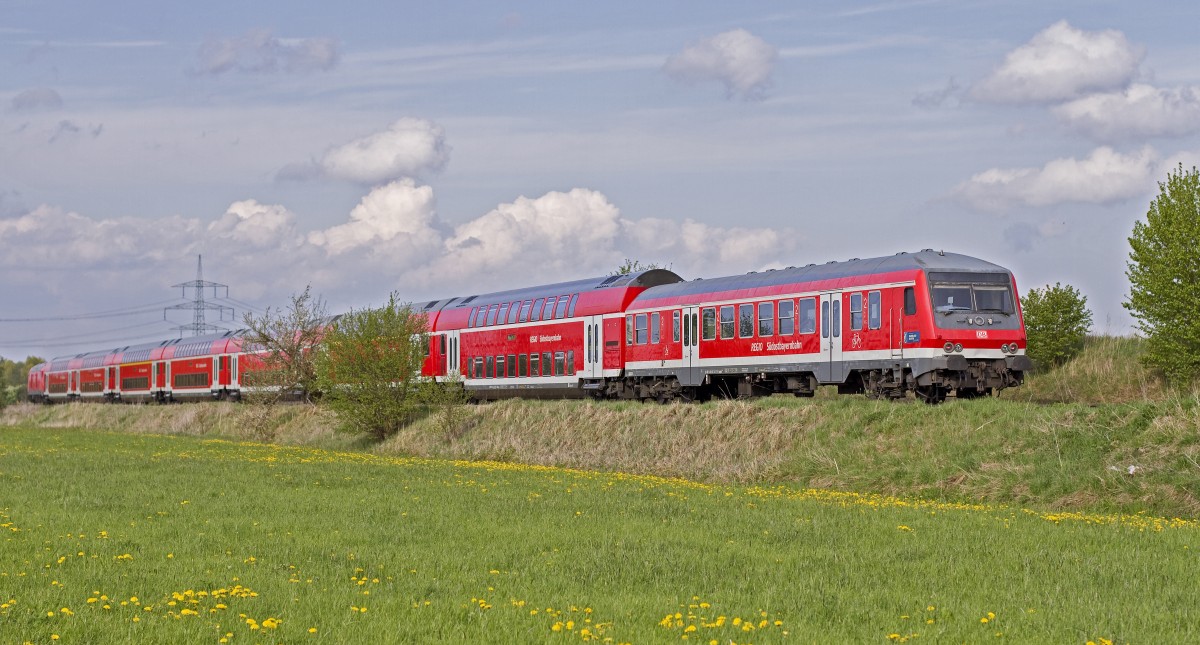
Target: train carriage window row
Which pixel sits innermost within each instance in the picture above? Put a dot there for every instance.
(518, 311)
(522, 365)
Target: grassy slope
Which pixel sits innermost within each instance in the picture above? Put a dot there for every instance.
(1027, 447)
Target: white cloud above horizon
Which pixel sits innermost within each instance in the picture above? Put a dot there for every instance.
(1136, 112)
(1104, 176)
(1061, 63)
(259, 51)
(738, 59)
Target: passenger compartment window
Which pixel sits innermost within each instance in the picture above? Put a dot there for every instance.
(534, 365)
(560, 311)
(513, 310)
(746, 321)
(548, 310)
(536, 314)
(856, 317)
(874, 317)
(910, 301)
(525, 312)
(787, 317)
(655, 327)
(571, 362)
(808, 315)
(766, 319)
(727, 322)
(523, 365)
(675, 326)
(628, 330)
(710, 324)
(639, 329)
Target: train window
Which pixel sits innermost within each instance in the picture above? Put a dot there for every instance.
(710, 323)
(442, 338)
(503, 314)
(512, 365)
(874, 317)
(992, 299)
(560, 311)
(675, 326)
(523, 365)
(766, 319)
(536, 314)
(836, 326)
(491, 316)
(534, 367)
(491, 367)
(727, 322)
(548, 310)
(825, 319)
(910, 301)
(856, 317)
(471, 317)
(687, 329)
(478, 367)
(947, 298)
(787, 317)
(655, 327)
(525, 311)
(500, 366)
(628, 330)
(570, 362)
(513, 311)
(746, 321)
(639, 329)
(547, 364)
(571, 307)
(559, 368)
(808, 315)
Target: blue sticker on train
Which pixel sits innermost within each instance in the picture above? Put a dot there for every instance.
(912, 336)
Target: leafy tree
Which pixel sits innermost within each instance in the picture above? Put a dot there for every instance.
(369, 367)
(1164, 277)
(283, 341)
(1056, 322)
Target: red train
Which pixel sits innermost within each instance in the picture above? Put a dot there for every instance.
(930, 323)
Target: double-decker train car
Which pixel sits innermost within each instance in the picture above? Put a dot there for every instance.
(930, 323)
(558, 340)
(202, 367)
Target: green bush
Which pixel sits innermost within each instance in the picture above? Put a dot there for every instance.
(368, 368)
(1164, 278)
(1056, 322)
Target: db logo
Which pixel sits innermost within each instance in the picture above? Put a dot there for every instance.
(981, 333)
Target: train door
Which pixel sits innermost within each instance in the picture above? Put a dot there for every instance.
(453, 364)
(593, 353)
(690, 373)
(112, 379)
(72, 382)
(831, 339)
(234, 383)
(221, 373)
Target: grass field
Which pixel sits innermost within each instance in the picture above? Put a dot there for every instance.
(118, 537)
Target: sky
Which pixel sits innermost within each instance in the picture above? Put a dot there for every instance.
(452, 148)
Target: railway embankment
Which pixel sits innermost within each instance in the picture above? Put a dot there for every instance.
(1099, 434)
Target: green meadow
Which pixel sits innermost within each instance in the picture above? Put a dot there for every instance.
(120, 537)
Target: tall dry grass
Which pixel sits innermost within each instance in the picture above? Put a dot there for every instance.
(1108, 370)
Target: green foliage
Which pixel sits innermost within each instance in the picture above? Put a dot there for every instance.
(633, 266)
(1056, 322)
(13, 376)
(283, 340)
(1164, 277)
(368, 367)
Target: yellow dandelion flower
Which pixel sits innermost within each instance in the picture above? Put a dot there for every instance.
(312, 630)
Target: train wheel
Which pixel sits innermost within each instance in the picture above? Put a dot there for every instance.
(931, 394)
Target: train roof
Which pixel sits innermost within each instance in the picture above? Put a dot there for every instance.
(648, 278)
(830, 272)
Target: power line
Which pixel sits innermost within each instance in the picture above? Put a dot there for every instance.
(112, 313)
(198, 306)
(84, 336)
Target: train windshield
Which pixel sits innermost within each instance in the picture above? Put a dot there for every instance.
(982, 293)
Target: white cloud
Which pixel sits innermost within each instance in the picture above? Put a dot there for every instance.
(392, 240)
(1061, 63)
(259, 51)
(37, 99)
(1105, 176)
(738, 59)
(409, 147)
(258, 226)
(1135, 112)
(399, 216)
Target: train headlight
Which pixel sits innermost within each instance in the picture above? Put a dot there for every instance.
(1004, 348)
(948, 347)
(1012, 349)
(958, 347)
